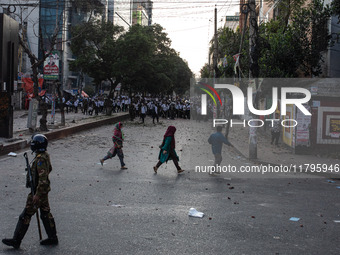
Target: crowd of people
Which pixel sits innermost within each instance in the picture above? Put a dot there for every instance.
(159, 108)
(137, 106)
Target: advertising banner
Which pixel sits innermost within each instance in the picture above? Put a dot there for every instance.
(51, 66)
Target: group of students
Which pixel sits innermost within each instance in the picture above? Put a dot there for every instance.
(138, 107)
(157, 108)
(97, 105)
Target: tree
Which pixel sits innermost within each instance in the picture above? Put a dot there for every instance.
(286, 50)
(140, 59)
(205, 71)
(280, 51)
(171, 71)
(310, 26)
(229, 44)
(179, 73)
(285, 9)
(96, 51)
(135, 59)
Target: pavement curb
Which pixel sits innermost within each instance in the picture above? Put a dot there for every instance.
(62, 132)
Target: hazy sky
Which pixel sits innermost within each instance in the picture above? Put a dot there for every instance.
(190, 25)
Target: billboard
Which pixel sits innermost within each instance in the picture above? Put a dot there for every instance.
(51, 66)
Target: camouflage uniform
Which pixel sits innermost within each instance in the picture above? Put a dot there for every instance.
(41, 168)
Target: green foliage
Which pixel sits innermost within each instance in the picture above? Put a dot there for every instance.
(181, 75)
(229, 42)
(205, 71)
(286, 9)
(95, 47)
(310, 26)
(280, 51)
(141, 59)
(135, 50)
(285, 50)
(148, 64)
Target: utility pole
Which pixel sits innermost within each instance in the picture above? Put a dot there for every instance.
(215, 45)
(253, 72)
(216, 71)
(244, 10)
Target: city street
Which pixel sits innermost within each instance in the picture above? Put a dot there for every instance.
(105, 210)
(264, 74)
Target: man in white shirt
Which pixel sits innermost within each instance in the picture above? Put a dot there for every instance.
(154, 113)
(164, 110)
(76, 102)
(143, 110)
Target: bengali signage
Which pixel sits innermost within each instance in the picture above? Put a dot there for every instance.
(232, 18)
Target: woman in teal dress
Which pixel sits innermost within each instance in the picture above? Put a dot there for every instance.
(167, 151)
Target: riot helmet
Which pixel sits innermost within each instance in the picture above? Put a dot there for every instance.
(39, 143)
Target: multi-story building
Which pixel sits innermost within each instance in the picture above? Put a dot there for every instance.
(148, 5)
(142, 12)
(126, 13)
(120, 13)
(28, 17)
(47, 15)
(33, 15)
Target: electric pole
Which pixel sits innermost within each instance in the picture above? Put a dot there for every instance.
(216, 71)
(253, 72)
(215, 45)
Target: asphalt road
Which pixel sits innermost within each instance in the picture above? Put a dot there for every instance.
(105, 210)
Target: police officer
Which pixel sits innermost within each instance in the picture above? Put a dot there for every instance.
(41, 168)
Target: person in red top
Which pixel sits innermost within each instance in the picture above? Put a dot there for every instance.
(117, 139)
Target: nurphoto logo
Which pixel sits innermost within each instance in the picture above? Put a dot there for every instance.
(222, 93)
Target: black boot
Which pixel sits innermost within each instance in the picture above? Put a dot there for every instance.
(19, 234)
(50, 241)
(49, 225)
